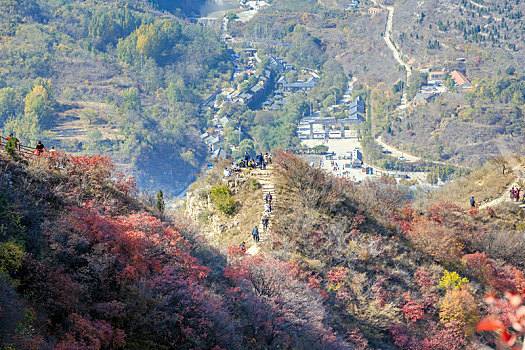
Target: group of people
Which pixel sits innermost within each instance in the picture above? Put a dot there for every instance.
(247, 161)
(265, 220)
(39, 148)
(515, 194)
(260, 161)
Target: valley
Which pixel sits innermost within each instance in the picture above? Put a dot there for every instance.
(278, 174)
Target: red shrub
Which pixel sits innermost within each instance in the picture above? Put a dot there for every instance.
(413, 310)
(497, 275)
(424, 279)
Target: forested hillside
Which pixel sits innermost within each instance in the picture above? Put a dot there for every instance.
(109, 77)
(484, 41)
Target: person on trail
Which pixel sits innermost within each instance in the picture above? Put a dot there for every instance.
(243, 246)
(247, 157)
(226, 172)
(15, 140)
(512, 193)
(268, 198)
(52, 149)
(517, 194)
(260, 160)
(472, 202)
(265, 220)
(255, 234)
(39, 148)
(266, 158)
(267, 208)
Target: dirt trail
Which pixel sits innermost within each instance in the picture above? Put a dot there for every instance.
(396, 54)
(505, 197)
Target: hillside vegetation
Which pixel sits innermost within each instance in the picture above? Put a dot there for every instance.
(109, 77)
(392, 273)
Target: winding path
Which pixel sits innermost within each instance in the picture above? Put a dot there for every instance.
(396, 54)
(505, 197)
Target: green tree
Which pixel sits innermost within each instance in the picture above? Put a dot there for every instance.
(8, 104)
(160, 202)
(40, 102)
(11, 147)
(222, 199)
(292, 76)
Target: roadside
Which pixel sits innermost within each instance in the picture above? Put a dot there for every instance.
(395, 152)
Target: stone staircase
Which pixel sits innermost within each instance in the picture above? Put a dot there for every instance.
(265, 179)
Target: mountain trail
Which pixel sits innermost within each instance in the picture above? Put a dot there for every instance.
(266, 179)
(505, 197)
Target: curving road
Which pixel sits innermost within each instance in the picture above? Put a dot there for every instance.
(395, 152)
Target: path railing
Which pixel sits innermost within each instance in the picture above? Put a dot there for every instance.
(23, 150)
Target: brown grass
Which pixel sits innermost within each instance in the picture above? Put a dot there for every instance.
(484, 184)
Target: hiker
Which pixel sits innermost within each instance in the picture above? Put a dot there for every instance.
(264, 221)
(247, 157)
(226, 173)
(512, 193)
(243, 246)
(266, 158)
(39, 148)
(267, 208)
(255, 234)
(52, 149)
(268, 198)
(517, 194)
(260, 160)
(16, 141)
(472, 202)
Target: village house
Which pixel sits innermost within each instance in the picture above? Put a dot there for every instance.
(461, 80)
(297, 86)
(436, 76)
(423, 97)
(357, 110)
(374, 10)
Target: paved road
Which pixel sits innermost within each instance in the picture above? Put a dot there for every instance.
(395, 152)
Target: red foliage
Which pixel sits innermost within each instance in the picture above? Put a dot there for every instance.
(337, 275)
(356, 337)
(191, 315)
(447, 337)
(280, 308)
(511, 321)
(86, 334)
(497, 275)
(413, 310)
(424, 279)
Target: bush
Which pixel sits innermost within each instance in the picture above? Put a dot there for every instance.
(255, 184)
(10, 147)
(451, 280)
(11, 255)
(222, 199)
(437, 240)
(459, 305)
